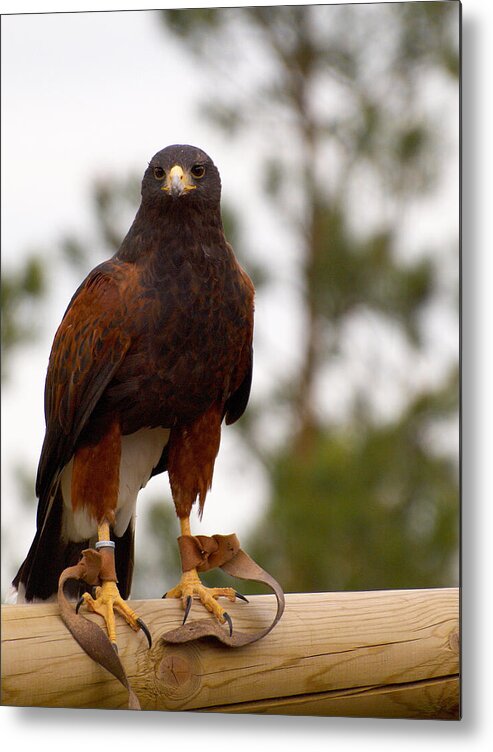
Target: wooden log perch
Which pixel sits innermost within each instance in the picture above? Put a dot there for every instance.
(383, 654)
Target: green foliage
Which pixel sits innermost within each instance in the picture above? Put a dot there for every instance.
(425, 37)
(111, 199)
(348, 274)
(115, 201)
(21, 293)
(364, 508)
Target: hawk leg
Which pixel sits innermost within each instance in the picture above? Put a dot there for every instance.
(190, 585)
(107, 598)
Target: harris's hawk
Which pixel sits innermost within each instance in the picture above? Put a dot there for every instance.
(153, 352)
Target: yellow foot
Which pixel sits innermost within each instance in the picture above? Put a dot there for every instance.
(191, 585)
(108, 600)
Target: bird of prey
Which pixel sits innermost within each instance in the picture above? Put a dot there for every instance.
(153, 352)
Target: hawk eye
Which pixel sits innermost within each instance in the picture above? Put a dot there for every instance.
(159, 173)
(198, 171)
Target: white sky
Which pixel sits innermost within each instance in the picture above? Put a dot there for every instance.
(285, 732)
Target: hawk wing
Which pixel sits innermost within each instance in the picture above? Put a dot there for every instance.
(88, 348)
(236, 404)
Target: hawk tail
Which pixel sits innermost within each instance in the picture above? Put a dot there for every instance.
(37, 578)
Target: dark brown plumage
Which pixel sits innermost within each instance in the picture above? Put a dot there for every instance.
(158, 337)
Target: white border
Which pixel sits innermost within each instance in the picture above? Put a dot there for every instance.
(62, 729)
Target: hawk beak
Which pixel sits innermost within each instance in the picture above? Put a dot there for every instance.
(177, 182)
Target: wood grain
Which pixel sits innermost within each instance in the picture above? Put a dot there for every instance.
(371, 654)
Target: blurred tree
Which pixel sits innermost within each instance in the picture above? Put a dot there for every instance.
(333, 97)
(22, 291)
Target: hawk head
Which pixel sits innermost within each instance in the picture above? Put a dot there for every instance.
(181, 173)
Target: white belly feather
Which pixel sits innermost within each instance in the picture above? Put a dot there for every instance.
(141, 451)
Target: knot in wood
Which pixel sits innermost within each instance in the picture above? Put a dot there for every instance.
(454, 641)
(177, 673)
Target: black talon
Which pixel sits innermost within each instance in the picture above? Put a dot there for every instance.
(115, 647)
(79, 604)
(230, 623)
(187, 609)
(241, 597)
(145, 630)
(164, 596)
